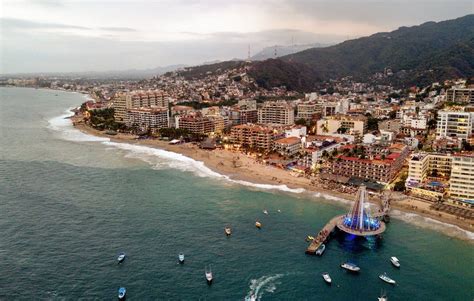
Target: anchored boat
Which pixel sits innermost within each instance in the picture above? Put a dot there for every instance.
(227, 231)
(181, 258)
(327, 278)
(320, 250)
(387, 279)
(121, 257)
(394, 260)
(350, 267)
(258, 224)
(208, 274)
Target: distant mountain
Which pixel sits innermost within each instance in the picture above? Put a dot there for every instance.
(281, 50)
(417, 55)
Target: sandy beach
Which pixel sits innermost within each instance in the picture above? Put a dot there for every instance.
(238, 166)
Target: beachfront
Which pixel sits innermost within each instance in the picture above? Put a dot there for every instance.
(240, 167)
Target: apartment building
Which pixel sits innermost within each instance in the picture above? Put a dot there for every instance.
(288, 146)
(342, 124)
(123, 101)
(253, 136)
(148, 118)
(119, 103)
(196, 124)
(276, 112)
(380, 169)
(462, 179)
(308, 110)
(465, 95)
(422, 165)
(454, 124)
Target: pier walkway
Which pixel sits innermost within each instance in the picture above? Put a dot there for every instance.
(323, 235)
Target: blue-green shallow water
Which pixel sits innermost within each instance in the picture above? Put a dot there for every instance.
(67, 208)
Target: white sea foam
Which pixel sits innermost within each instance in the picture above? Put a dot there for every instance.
(433, 224)
(263, 284)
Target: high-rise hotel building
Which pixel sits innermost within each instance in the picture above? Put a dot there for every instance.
(276, 112)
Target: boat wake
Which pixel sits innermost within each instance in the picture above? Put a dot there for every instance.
(263, 284)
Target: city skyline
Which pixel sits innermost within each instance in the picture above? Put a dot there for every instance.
(73, 36)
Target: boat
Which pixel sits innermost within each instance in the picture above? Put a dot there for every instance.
(208, 275)
(387, 279)
(181, 258)
(258, 224)
(394, 260)
(279, 211)
(251, 298)
(227, 231)
(321, 249)
(327, 278)
(121, 293)
(265, 211)
(350, 267)
(121, 257)
(309, 238)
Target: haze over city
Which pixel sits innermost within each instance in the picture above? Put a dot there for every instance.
(75, 36)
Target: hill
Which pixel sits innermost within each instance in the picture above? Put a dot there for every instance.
(282, 50)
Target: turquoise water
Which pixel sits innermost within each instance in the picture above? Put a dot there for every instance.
(70, 203)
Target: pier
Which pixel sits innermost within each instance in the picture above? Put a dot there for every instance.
(323, 235)
(357, 222)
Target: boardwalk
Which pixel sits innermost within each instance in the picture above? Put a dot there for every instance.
(323, 235)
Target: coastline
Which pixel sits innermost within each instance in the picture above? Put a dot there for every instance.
(221, 162)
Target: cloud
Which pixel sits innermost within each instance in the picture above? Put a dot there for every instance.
(118, 29)
(13, 23)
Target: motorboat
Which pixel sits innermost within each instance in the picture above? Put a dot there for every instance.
(394, 260)
(181, 258)
(321, 249)
(265, 211)
(121, 293)
(327, 278)
(258, 224)
(251, 298)
(279, 211)
(208, 274)
(227, 231)
(387, 279)
(121, 257)
(350, 267)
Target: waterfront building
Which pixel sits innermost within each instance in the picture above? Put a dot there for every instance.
(119, 103)
(287, 147)
(196, 124)
(380, 168)
(276, 112)
(123, 101)
(464, 95)
(454, 124)
(253, 136)
(148, 118)
(461, 187)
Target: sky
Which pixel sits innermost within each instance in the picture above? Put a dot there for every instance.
(103, 35)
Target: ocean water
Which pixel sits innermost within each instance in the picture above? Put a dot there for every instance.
(69, 203)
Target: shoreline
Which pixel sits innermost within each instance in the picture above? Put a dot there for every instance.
(221, 162)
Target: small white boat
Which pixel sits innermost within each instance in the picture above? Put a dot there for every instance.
(258, 224)
(121, 257)
(394, 260)
(208, 275)
(387, 279)
(279, 211)
(121, 293)
(181, 258)
(265, 211)
(321, 249)
(327, 278)
(350, 267)
(227, 231)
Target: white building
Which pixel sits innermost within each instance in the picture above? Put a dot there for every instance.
(148, 118)
(462, 178)
(287, 147)
(454, 124)
(276, 112)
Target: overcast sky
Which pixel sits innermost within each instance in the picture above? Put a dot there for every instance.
(99, 35)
